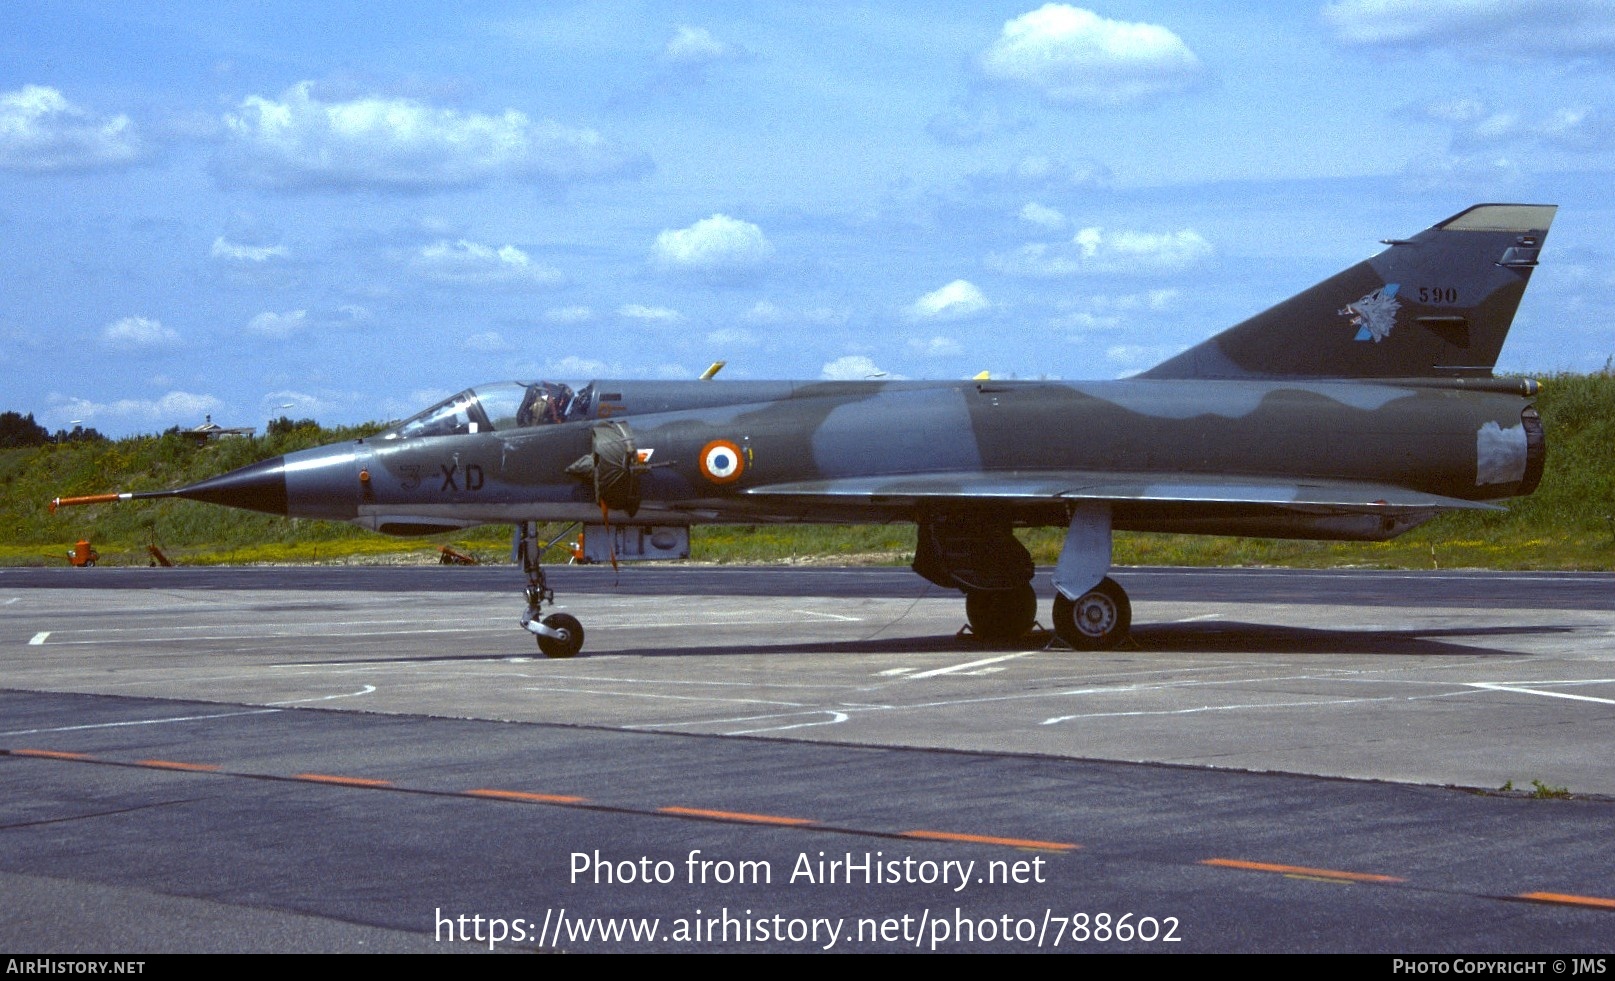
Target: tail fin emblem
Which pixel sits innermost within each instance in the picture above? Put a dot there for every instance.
(1375, 314)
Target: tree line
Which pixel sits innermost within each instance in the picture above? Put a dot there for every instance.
(18, 430)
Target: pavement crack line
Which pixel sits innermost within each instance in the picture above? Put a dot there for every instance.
(96, 814)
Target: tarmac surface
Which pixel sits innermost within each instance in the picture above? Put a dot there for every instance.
(341, 758)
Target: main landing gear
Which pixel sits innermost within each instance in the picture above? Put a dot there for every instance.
(977, 553)
(1096, 620)
(1091, 612)
(1001, 614)
(559, 634)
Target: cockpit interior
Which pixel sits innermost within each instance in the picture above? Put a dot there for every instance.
(499, 407)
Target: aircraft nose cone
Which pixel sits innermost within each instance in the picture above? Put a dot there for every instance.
(258, 487)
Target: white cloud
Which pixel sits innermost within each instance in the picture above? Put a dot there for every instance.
(278, 326)
(1095, 250)
(1037, 259)
(694, 46)
(959, 298)
(732, 337)
(638, 311)
(302, 404)
(569, 315)
(1041, 174)
(936, 347)
(765, 312)
(1143, 251)
(1477, 125)
(1508, 27)
(1102, 312)
(1073, 55)
(967, 125)
(175, 408)
(1039, 214)
(826, 316)
(300, 142)
(854, 367)
(1086, 320)
(573, 366)
(1155, 301)
(486, 342)
(231, 251)
(711, 244)
(466, 263)
(1477, 175)
(40, 130)
(137, 332)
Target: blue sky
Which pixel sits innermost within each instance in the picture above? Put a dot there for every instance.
(347, 212)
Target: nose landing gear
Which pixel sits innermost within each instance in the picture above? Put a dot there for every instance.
(559, 634)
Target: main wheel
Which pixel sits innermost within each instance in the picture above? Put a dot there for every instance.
(1096, 620)
(1001, 614)
(564, 646)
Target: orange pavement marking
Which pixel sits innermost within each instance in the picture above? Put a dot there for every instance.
(524, 795)
(51, 754)
(349, 781)
(1597, 902)
(1234, 863)
(176, 765)
(735, 816)
(1059, 846)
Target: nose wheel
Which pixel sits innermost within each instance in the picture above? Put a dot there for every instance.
(559, 634)
(565, 638)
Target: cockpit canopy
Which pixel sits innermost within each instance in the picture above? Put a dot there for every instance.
(498, 407)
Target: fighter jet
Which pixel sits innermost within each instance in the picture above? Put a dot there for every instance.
(1355, 410)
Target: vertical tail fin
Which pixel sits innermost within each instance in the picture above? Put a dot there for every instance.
(1437, 305)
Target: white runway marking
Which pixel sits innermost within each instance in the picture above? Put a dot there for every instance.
(327, 626)
(140, 722)
(969, 665)
(39, 638)
(367, 689)
(1373, 574)
(673, 698)
(1521, 690)
(701, 682)
(12, 600)
(1221, 708)
(175, 634)
(835, 717)
(832, 616)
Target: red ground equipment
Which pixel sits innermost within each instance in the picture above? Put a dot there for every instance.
(84, 555)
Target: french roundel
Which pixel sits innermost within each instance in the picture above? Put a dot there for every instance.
(721, 462)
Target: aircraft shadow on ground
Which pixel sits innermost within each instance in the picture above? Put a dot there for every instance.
(1217, 637)
(1225, 636)
(1220, 637)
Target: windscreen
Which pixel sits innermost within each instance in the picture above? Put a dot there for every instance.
(498, 407)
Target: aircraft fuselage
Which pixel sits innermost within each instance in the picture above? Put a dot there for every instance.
(882, 451)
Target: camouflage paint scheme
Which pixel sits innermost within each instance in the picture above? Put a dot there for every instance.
(1357, 409)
